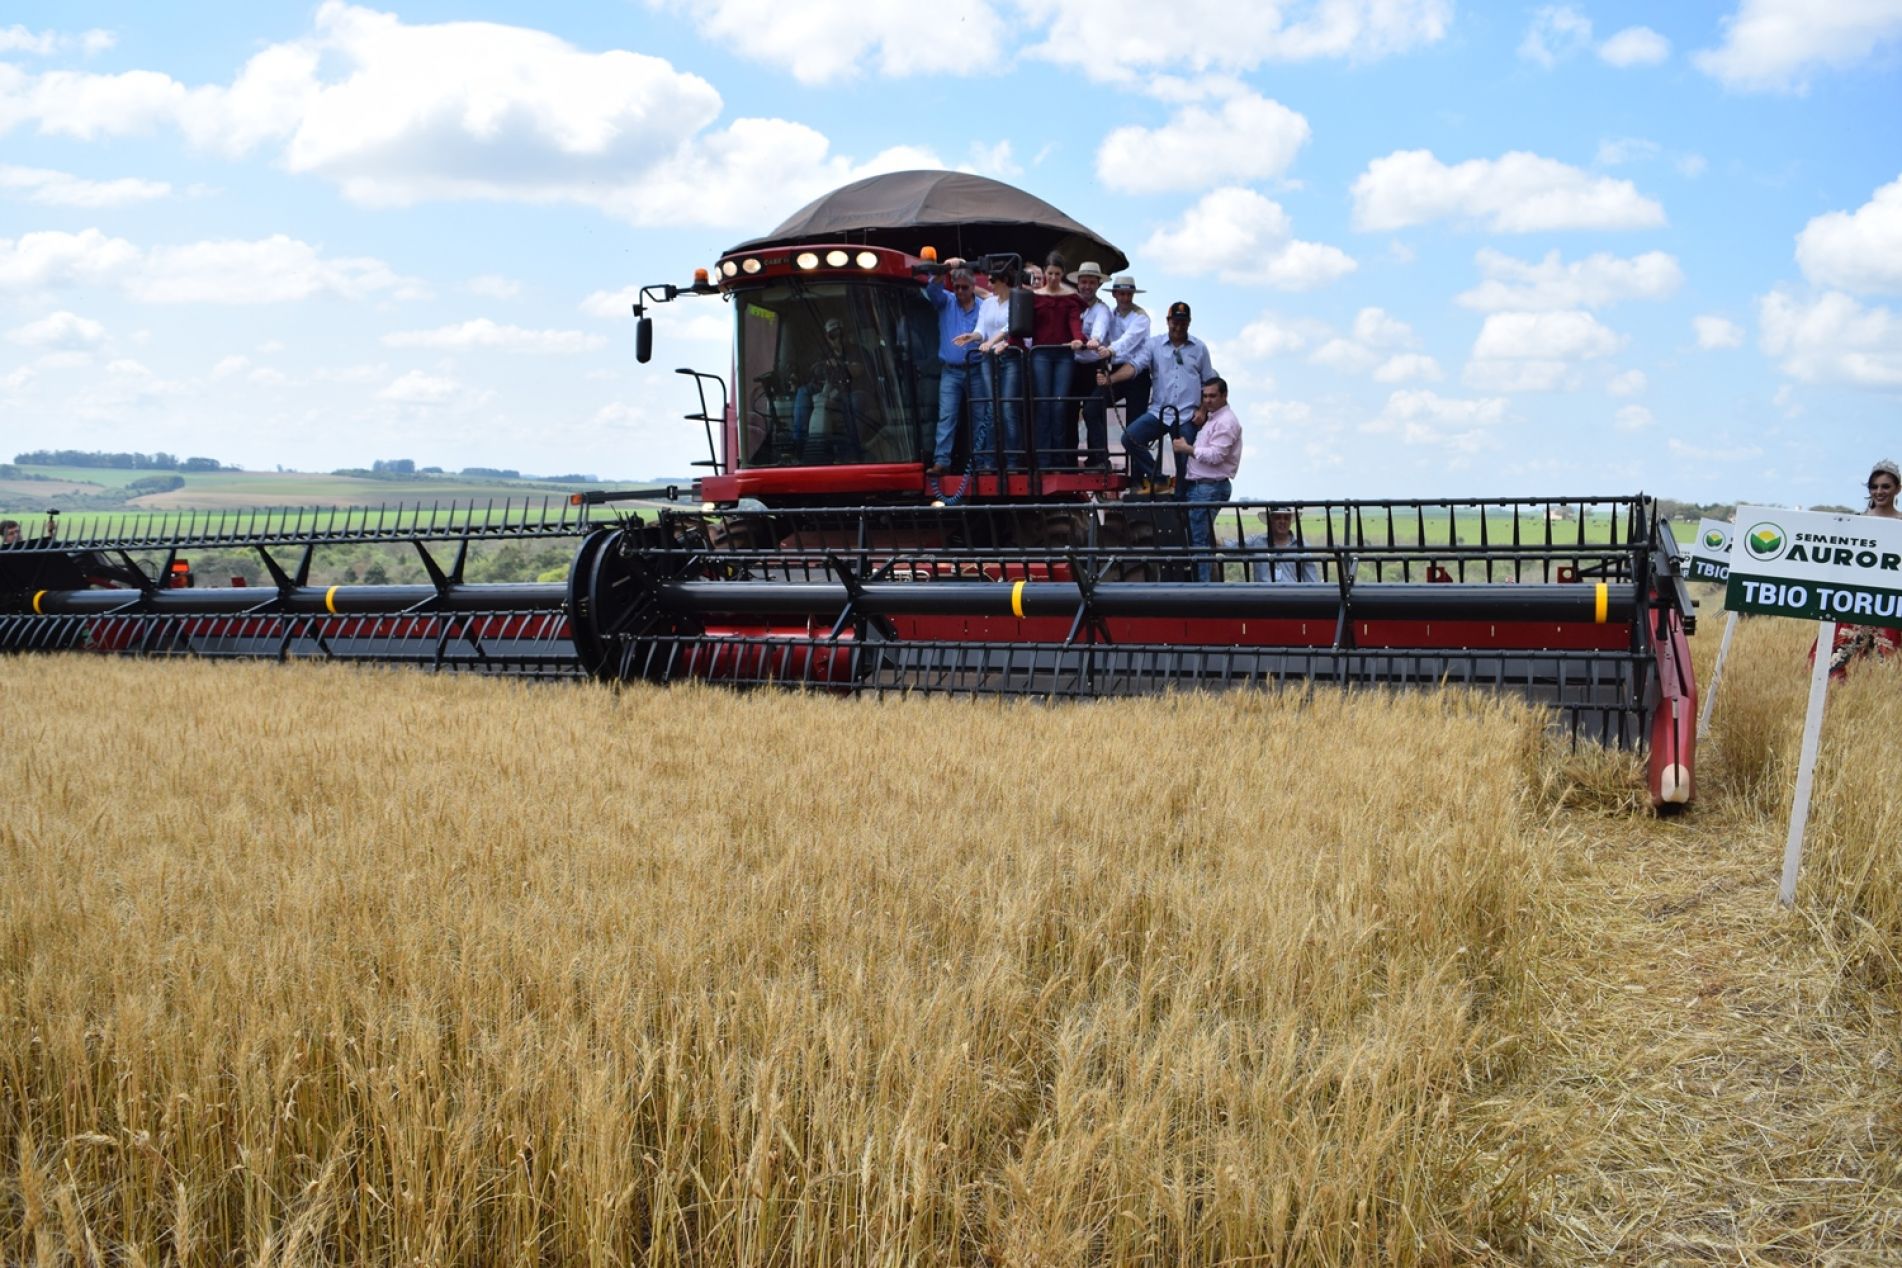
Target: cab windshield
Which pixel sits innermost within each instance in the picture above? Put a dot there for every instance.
(833, 373)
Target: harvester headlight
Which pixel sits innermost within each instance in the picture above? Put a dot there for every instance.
(807, 259)
(867, 259)
(751, 265)
(729, 268)
(837, 259)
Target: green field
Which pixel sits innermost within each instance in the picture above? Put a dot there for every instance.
(259, 488)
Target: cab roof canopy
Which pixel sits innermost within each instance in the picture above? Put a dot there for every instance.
(956, 212)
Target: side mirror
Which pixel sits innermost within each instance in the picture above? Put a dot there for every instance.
(1023, 312)
(644, 340)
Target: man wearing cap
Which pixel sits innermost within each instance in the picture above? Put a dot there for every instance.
(1090, 401)
(1178, 367)
(957, 307)
(1212, 459)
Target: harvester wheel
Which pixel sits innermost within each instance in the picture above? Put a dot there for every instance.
(1062, 530)
(1122, 531)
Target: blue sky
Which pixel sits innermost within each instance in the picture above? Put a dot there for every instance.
(1437, 248)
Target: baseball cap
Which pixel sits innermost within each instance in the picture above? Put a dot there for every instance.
(1178, 309)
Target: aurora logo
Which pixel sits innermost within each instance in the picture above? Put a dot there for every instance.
(1714, 539)
(1764, 541)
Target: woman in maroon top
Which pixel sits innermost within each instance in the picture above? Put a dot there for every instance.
(1056, 333)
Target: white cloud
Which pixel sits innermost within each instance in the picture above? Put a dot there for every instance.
(55, 258)
(418, 388)
(1344, 355)
(1377, 334)
(1557, 31)
(1515, 193)
(493, 286)
(1617, 151)
(1536, 352)
(61, 330)
(1596, 281)
(1421, 416)
(1717, 332)
(483, 333)
(1630, 383)
(277, 269)
(1858, 250)
(611, 303)
(1632, 418)
(1272, 336)
(1832, 339)
(460, 109)
(1406, 366)
(394, 114)
(1561, 334)
(1249, 138)
(230, 365)
(718, 179)
(1635, 46)
(17, 39)
(1245, 238)
(1774, 45)
(234, 272)
(59, 189)
(89, 107)
(1377, 328)
(994, 160)
(1119, 41)
(1691, 166)
(820, 43)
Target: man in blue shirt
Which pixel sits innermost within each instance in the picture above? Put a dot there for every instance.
(957, 318)
(1178, 367)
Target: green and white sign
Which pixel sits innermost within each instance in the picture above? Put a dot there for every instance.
(1710, 553)
(1817, 567)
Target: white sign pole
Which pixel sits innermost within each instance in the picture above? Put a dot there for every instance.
(1806, 762)
(1716, 676)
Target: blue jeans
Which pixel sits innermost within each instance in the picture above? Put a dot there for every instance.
(1143, 433)
(955, 384)
(1009, 369)
(1202, 522)
(1138, 438)
(1049, 385)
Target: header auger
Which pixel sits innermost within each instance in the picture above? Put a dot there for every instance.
(831, 560)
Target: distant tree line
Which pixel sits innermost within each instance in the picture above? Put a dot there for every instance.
(117, 461)
(1691, 512)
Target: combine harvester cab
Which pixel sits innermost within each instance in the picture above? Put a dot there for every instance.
(822, 553)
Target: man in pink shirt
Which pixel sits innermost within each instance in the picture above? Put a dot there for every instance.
(1213, 458)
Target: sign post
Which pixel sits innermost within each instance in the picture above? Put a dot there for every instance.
(1817, 567)
(1710, 561)
(1806, 763)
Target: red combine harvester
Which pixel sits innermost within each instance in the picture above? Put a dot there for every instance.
(819, 552)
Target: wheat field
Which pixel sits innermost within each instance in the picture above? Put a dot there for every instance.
(309, 965)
